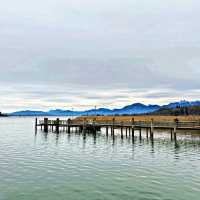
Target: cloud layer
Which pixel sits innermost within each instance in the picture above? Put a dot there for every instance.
(85, 53)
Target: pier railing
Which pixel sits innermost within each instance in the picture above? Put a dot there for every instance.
(156, 124)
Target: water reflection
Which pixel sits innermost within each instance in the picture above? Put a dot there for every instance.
(178, 141)
(57, 138)
(152, 146)
(98, 165)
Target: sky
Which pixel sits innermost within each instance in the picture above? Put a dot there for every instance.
(81, 54)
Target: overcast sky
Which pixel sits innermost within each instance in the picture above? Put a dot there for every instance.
(109, 53)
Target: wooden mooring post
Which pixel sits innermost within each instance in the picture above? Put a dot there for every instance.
(147, 132)
(122, 130)
(36, 124)
(107, 131)
(140, 132)
(57, 125)
(46, 125)
(113, 127)
(133, 128)
(84, 125)
(175, 128)
(152, 129)
(68, 125)
(171, 133)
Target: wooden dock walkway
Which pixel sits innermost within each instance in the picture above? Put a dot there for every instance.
(93, 126)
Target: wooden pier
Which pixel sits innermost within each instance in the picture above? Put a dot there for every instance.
(110, 126)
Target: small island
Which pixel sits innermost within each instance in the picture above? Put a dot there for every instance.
(2, 115)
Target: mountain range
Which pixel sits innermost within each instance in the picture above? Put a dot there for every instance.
(133, 109)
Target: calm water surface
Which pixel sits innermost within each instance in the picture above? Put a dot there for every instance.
(73, 167)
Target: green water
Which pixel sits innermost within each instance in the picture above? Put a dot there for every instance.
(73, 167)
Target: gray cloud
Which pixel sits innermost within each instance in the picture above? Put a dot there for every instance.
(75, 53)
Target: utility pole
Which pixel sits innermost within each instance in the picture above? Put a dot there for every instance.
(95, 108)
(72, 113)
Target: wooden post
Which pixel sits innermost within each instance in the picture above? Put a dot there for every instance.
(113, 127)
(122, 130)
(94, 126)
(147, 132)
(133, 128)
(171, 133)
(46, 125)
(84, 125)
(52, 124)
(57, 125)
(140, 134)
(126, 132)
(68, 125)
(152, 129)
(36, 125)
(175, 128)
(107, 131)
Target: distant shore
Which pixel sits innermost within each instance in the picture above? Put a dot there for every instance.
(3, 115)
(139, 118)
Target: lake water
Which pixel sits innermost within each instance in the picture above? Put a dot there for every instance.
(73, 167)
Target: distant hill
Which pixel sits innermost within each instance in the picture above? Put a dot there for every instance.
(136, 108)
(182, 104)
(28, 113)
(187, 110)
(133, 109)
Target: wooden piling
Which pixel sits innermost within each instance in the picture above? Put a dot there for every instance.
(140, 132)
(57, 125)
(52, 125)
(152, 129)
(46, 125)
(113, 127)
(147, 132)
(107, 131)
(171, 133)
(122, 130)
(133, 128)
(84, 125)
(36, 124)
(68, 125)
(175, 128)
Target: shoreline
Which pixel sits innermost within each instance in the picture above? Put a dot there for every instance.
(158, 118)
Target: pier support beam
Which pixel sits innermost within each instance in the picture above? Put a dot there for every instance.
(140, 131)
(147, 132)
(84, 126)
(133, 128)
(106, 131)
(57, 125)
(122, 130)
(152, 129)
(113, 127)
(175, 128)
(171, 134)
(68, 125)
(46, 125)
(36, 122)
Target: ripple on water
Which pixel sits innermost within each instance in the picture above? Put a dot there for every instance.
(50, 166)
